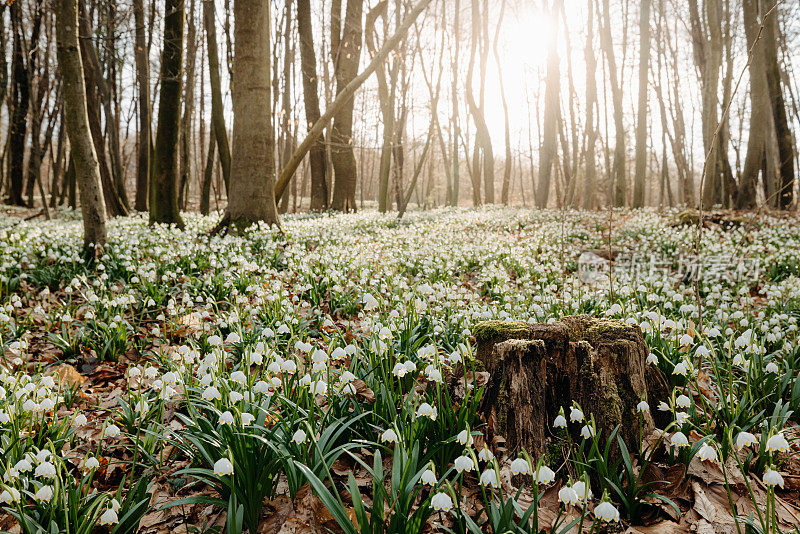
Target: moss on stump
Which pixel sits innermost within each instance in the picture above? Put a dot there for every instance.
(536, 369)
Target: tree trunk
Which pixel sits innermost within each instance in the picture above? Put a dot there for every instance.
(252, 187)
(591, 104)
(641, 121)
(347, 53)
(18, 109)
(217, 110)
(308, 65)
(552, 114)
(77, 124)
(142, 59)
(164, 184)
(187, 135)
(618, 175)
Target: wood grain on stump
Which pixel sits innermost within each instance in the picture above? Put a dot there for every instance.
(538, 368)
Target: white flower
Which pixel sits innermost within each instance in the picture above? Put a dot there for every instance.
(465, 438)
(681, 417)
(247, 418)
(560, 421)
(109, 517)
(485, 455)
(211, 393)
(643, 407)
(683, 401)
(707, 453)
(226, 418)
(745, 439)
(464, 463)
(10, 495)
(680, 369)
(575, 415)
(652, 358)
(679, 440)
(239, 377)
(23, 465)
(545, 475)
(46, 470)
(772, 367)
(223, 467)
(567, 496)
(442, 502)
(111, 431)
(389, 436)
(489, 478)
(582, 490)
(428, 477)
(44, 494)
(91, 463)
(587, 431)
(299, 436)
(426, 410)
(520, 466)
(773, 478)
(605, 511)
(80, 420)
(777, 443)
(399, 370)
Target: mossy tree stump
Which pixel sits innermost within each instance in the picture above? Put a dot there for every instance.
(538, 368)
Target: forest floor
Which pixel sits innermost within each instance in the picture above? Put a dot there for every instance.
(299, 382)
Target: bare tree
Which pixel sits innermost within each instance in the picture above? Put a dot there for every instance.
(641, 117)
(77, 125)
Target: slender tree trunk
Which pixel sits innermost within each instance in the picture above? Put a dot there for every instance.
(641, 121)
(217, 110)
(187, 133)
(77, 124)
(618, 175)
(18, 109)
(552, 114)
(164, 184)
(142, 59)
(308, 65)
(208, 174)
(347, 53)
(252, 187)
(591, 105)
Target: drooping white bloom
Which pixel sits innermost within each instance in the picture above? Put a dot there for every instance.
(745, 439)
(567, 496)
(652, 358)
(109, 517)
(679, 440)
(587, 431)
(680, 369)
(643, 407)
(575, 415)
(442, 502)
(428, 477)
(211, 393)
(489, 478)
(226, 418)
(426, 410)
(520, 466)
(560, 421)
(223, 467)
(44, 494)
(605, 511)
(45, 470)
(9, 495)
(777, 443)
(707, 453)
(111, 431)
(465, 438)
(773, 478)
(545, 475)
(299, 436)
(683, 401)
(463, 463)
(389, 436)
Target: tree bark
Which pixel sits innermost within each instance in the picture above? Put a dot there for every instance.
(619, 178)
(252, 187)
(18, 109)
(552, 114)
(187, 135)
(347, 53)
(217, 110)
(77, 124)
(164, 184)
(308, 66)
(591, 104)
(641, 121)
(142, 60)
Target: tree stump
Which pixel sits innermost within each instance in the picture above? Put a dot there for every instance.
(536, 369)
